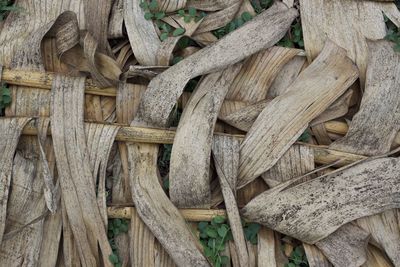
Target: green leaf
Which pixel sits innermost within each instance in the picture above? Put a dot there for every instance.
(148, 15)
(113, 258)
(192, 11)
(202, 226)
(246, 16)
(304, 137)
(153, 5)
(183, 42)
(181, 12)
(218, 219)
(254, 240)
(116, 231)
(211, 232)
(166, 27)
(299, 251)
(239, 22)
(176, 60)
(144, 5)
(221, 247)
(208, 252)
(178, 31)
(224, 260)
(163, 37)
(230, 27)
(187, 19)
(160, 15)
(222, 231)
(6, 99)
(117, 222)
(124, 228)
(297, 32)
(118, 265)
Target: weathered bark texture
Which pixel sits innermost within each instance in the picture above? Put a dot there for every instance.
(156, 104)
(190, 165)
(286, 117)
(325, 203)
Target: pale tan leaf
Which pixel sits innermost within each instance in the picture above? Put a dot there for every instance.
(258, 73)
(325, 203)
(142, 35)
(346, 247)
(372, 131)
(287, 116)
(189, 167)
(11, 129)
(226, 158)
(157, 211)
(315, 257)
(349, 23)
(156, 105)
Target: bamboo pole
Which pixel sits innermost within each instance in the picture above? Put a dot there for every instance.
(191, 215)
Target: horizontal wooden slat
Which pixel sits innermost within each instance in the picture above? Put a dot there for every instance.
(191, 215)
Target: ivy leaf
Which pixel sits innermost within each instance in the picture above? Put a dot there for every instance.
(160, 15)
(6, 99)
(187, 19)
(153, 5)
(192, 11)
(239, 22)
(113, 258)
(176, 60)
(218, 219)
(124, 228)
(144, 5)
(117, 222)
(148, 15)
(202, 225)
(164, 36)
(224, 260)
(230, 27)
(208, 252)
(165, 27)
(181, 12)
(246, 16)
(211, 232)
(178, 31)
(223, 230)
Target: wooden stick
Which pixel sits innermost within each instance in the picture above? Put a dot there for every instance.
(44, 80)
(191, 215)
